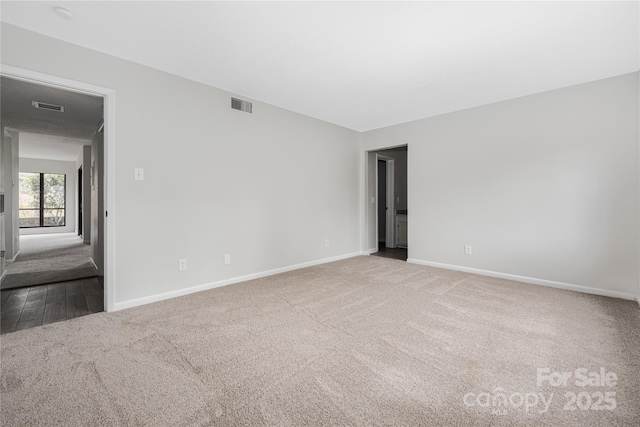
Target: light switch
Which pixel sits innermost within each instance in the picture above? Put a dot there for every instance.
(139, 174)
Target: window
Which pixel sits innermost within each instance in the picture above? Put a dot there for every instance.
(42, 200)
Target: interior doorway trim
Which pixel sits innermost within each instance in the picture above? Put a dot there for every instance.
(390, 227)
(80, 213)
(109, 96)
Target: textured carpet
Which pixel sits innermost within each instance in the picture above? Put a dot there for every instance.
(364, 341)
(49, 258)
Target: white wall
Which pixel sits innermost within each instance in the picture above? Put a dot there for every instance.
(2, 216)
(544, 186)
(84, 161)
(267, 188)
(55, 166)
(97, 202)
(10, 146)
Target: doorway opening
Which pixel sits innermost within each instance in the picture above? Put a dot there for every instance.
(387, 195)
(93, 187)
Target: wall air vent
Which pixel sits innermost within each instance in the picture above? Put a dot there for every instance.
(240, 105)
(50, 107)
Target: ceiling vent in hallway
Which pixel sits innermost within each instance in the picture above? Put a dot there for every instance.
(50, 107)
(240, 105)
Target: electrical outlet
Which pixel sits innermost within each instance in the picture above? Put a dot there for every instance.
(227, 259)
(182, 265)
(326, 242)
(467, 250)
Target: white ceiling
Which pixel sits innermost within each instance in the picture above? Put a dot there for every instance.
(80, 120)
(38, 146)
(362, 65)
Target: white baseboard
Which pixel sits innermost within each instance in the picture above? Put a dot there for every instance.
(10, 260)
(181, 292)
(94, 263)
(370, 251)
(4, 274)
(45, 230)
(531, 280)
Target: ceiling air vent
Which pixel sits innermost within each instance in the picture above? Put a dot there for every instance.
(50, 107)
(240, 105)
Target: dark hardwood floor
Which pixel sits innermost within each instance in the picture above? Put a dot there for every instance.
(40, 305)
(395, 253)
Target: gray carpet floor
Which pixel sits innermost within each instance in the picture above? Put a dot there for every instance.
(366, 341)
(49, 258)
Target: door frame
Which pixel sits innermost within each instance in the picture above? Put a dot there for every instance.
(109, 97)
(79, 188)
(390, 238)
